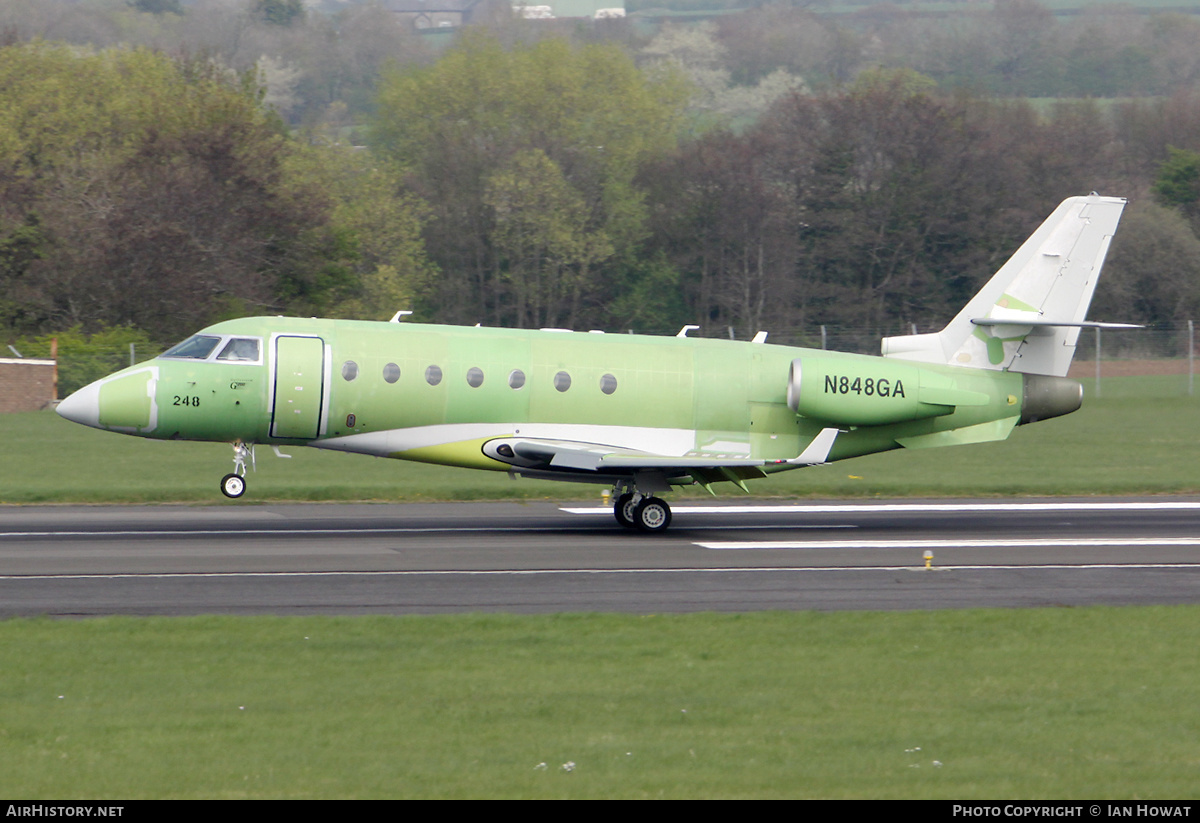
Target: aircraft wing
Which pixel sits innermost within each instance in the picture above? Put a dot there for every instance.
(564, 455)
(816, 452)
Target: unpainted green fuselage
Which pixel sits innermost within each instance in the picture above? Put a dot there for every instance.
(439, 393)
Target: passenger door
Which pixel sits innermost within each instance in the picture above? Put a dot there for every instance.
(299, 389)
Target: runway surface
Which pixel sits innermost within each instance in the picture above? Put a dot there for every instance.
(541, 557)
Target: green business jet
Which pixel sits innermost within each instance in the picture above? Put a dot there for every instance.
(640, 414)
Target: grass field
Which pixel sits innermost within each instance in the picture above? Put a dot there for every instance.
(1066, 703)
(1140, 437)
(1039, 703)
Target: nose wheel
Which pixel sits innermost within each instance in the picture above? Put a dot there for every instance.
(233, 485)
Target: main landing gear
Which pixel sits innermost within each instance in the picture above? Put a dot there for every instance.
(637, 511)
(234, 484)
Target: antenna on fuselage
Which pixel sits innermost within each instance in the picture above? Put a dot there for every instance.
(683, 332)
(396, 317)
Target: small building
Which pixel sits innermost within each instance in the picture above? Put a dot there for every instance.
(559, 9)
(27, 384)
(424, 15)
(434, 14)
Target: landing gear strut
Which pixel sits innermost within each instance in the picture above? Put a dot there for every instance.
(634, 510)
(234, 485)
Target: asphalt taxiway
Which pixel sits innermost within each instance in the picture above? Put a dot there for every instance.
(544, 557)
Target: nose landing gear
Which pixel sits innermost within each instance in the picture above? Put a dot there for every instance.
(233, 485)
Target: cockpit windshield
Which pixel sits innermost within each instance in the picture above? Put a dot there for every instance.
(241, 350)
(196, 347)
(203, 347)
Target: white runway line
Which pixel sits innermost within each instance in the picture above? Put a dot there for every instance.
(319, 532)
(604, 572)
(844, 508)
(1007, 543)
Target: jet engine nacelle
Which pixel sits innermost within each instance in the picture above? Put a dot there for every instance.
(869, 392)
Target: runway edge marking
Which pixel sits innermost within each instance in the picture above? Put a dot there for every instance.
(1028, 542)
(845, 508)
(546, 572)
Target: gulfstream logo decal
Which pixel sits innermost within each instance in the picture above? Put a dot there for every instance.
(859, 385)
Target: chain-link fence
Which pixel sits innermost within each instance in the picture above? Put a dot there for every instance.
(77, 369)
(79, 363)
(1162, 359)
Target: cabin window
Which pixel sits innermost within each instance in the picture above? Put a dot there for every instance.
(196, 347)
(474, 377)
(349, 370)
(562, 381)
(608, 384)
(516, 379)
(391, 373)
(433, 375)
(240, 350)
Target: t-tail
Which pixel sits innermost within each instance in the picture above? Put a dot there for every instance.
(1028, 316)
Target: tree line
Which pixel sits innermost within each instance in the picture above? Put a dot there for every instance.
(322, 69)
(141, 190)
(526, 178)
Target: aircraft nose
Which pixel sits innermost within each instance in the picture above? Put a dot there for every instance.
(121, 402)
(82, 406)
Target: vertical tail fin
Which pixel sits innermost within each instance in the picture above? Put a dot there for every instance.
(1028, 316)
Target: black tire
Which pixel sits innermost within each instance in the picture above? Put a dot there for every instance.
(233, 485)
(623, 511)
(652, 515)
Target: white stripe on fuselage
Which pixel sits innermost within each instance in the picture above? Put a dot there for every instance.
(666, 442)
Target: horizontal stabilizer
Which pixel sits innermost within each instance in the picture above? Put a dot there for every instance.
(1084, 324)
(1028, 316)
